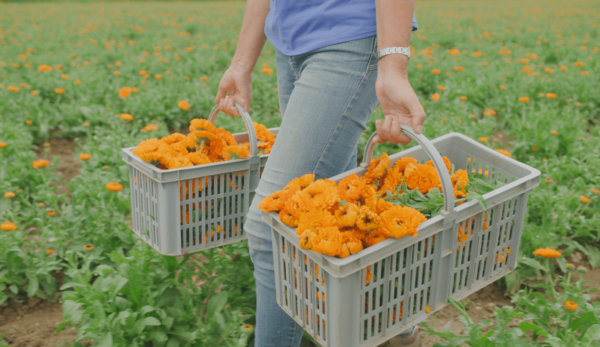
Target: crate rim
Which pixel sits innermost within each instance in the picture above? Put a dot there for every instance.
(340, 268)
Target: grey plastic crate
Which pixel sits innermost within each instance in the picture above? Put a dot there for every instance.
(329, 296)
(215, 196)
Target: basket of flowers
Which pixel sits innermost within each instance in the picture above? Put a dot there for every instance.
(364, 255)
(192, 192)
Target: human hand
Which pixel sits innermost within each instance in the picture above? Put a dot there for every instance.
(235, 86)
(400, 106)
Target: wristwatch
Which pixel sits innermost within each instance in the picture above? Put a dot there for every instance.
(392, 50)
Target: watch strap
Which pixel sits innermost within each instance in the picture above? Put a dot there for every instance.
(393, 50)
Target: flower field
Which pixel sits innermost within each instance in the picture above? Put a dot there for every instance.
(522, 77)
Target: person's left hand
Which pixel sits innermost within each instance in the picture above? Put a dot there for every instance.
(399, 104)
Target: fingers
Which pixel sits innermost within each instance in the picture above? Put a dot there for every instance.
(232, 110)
(418, 115)
(390, 130)
(220, 95)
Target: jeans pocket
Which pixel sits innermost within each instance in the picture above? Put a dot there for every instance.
(373, 61)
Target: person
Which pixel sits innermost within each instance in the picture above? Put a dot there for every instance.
(329, 81)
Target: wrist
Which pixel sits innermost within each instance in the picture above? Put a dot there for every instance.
(241, 66)
(393, 62)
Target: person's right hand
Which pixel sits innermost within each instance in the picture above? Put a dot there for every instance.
(235, 86)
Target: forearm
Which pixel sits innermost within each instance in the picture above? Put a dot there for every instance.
(252, 36)
(394, 24)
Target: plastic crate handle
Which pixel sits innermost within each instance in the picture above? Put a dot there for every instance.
(432, 152)
(249, 126)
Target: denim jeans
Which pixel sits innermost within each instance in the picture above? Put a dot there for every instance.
(326, 97)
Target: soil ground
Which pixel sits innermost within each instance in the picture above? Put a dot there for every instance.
(68, 165)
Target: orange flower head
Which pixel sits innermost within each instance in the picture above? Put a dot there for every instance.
(9, 195)
(368, 220)
(307, 239)
(198, 158)
(595, 191)
(423, 177)
(328, 241)
(460, 178)
(126, 116)
(124, 92)
(273, 202)
(350, 245)
(51, 213)
(226, 136)
(584, 199)
(37, 164)
(314, 220)
(8, 226)
(263, 134)
(173, 138)
(447, 162)
(178, 162)
(402, 163)
(382, 206)
(547, 253)
(88, 247)
(49, 251)
(374, 237)
(202, 124)
(215, 147)
(524, 99)
(44, 68)
(85, 156)
(184, 105)
(114, 187)
(571, 306)
(3, 144)
(389, 181)
(506, 153)
(347, 215)
(350, 188)
(319, 195)
(400, 221)
(234, 152)
(377, 168)
(368, 197)
(304, 180)
(287, 218)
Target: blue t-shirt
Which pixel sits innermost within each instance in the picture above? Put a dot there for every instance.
(298, 26)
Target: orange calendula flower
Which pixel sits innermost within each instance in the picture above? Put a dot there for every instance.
(377, 168)
(571, 306)
(314, 220)
(307, 239)
(400, 221)
(44, 68)
(124, 92)
(288, 218)
(382, 206)
(423, 177)
(347, 215)
(9, 195)
(3, 144)
(319, 195)
(273, 202)
(234, 152)
(328, 241)
(374, 237)
(184, 105)
(402, 163)
(173, 138)
(524, 99)
(304, 180)
(368, 276)
(49, 251)
(85, 156)
(368, 220)
(350, 188)
(202, 125)
(506, 153)
(226, 136)
(460, 178)
(547, 253)
(595, 191)
(584, 199)
(13, 89)
(198, 158)
(114, 187)
(51, 213)
(350, 245)
(126, 116)
(368, 197)
(8, 226)
(59, 90)
(37, 164)
(88, 247)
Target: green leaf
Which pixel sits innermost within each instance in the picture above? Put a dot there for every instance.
(479, 198)
(591, 335)
(106, 341)
(593, 254)
(583, 321)
(216, 304)
(527, 326)
(33, 285)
